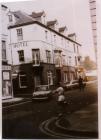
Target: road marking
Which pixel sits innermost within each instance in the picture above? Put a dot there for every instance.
(16, 104)
(45, 129)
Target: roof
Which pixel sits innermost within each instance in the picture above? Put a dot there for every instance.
(22, 17)
(36, 15)
(61, 29)
(36, 22)
(70, 35)
(49, 23)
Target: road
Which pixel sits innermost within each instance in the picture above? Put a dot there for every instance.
(22, 121)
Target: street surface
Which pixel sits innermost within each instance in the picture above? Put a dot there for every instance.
(23, 120)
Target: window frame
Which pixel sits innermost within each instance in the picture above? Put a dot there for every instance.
(48, 56)
(50, 76)
(4, 55)
(22, 75)
(10, 18)
(19, 34)
(21, 56)
(36, 51)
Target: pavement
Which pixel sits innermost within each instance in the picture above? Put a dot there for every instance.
(13, 101)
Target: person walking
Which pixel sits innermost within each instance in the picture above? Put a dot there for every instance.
(61, 101)
(81, 85)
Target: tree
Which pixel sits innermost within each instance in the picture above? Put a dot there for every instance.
(88, 64)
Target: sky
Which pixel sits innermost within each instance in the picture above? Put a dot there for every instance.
(74, 14)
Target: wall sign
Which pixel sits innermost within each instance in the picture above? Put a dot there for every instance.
(6, 76)
(20, 44)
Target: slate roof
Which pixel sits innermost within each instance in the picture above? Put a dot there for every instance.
(36, 15)
(61, 29)
(49, 23)
(22, 17)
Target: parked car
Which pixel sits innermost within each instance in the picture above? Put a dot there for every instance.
(72, 84)
(42, 93)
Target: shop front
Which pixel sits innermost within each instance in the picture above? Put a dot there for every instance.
(6, 82)
(72, 73)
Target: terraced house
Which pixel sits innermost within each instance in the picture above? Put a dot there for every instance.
(6, 66)
(41, 52)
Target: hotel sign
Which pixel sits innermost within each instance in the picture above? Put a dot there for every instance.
(20, 44)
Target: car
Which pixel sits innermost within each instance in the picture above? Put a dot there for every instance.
(42, 93)
(72, 84)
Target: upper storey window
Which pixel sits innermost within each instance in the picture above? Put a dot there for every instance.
(3, 50)
(21, 55)
(10, 18)
(20, 34)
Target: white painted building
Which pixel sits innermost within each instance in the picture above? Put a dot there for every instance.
(42, 46)
(6, 67)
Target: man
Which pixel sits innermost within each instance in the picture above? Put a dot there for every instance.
(81, 85)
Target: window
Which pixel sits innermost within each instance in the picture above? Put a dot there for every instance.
(50, 78)
(19, 34)
(21, 55)
(55, 39)
(70, 60)
(10, 18)
(77, 49)
(46, 36)
(63, 60)
(74, 48)
(65, 77)
(75, 60)
(36, 56)
(22, 80)
(3, 50)
(58, 58)
(48, 56)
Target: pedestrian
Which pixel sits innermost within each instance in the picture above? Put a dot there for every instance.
(81, 84)
(61, 101)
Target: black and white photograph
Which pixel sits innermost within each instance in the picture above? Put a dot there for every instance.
(49, 69)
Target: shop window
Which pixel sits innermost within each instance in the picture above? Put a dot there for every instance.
(48, 56)
(22, 80)
(36, 56)
(50, 78)
(6, 85)
(20, 34)
(21, 55)
(3, 50)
